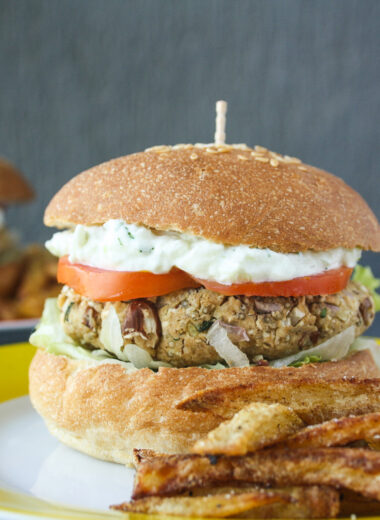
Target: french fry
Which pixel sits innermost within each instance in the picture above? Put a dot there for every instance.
(302, 502)
(27, 282)
(214, 506)
(143, 455)
(38, 282)
(337, 432)
(354, 469)
(308, 502)
(313, 400)
(374, 442)
(353, 504)
(256, 426)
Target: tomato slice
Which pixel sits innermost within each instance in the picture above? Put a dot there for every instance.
(106, 285)
(329, 282)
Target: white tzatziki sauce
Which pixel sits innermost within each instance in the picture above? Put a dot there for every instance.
(129, 247)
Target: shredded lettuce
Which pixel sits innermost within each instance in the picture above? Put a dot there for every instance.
(334, 348)
(306, 361)
(367, 343)
(50, 336)
(364, 275)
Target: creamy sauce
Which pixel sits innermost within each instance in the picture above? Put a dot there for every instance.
(128, 247)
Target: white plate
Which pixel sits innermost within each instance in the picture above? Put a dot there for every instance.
(9, 325)
(34, 463)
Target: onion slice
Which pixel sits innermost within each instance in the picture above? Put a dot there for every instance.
(110, 333)
(218, 338)
(334, 348)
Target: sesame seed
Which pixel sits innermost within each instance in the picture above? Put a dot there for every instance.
(193, 156)
(262, 159)
(289, 159)
(211, 150)
(259, 148)
(243, 157)
(240, 146)
(158, 149)
(274, 163)
(302, 168)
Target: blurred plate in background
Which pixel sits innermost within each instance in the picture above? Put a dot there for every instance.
(14, 331)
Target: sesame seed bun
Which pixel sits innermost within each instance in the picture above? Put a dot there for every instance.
(231, 195)
(105, 411)
(13, 187)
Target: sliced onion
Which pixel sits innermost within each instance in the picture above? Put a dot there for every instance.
(110, 333)
(139, 357)
(234, 332)
(334, 348)
(218, 338)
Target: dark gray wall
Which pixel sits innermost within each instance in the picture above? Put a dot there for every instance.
(84, 81)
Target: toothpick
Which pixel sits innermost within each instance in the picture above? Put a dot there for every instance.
(220, 122)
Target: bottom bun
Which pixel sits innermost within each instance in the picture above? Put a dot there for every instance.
(105, 411)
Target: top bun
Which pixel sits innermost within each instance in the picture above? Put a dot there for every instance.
(13, 187)
(228, 194)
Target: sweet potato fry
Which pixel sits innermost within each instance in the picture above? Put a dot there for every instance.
(213, 506)
(355, 469)
(256, 426)
(314, 400)
(337, 432)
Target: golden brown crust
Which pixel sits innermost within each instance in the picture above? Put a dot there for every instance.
(107, 412)
(232, 197)
(13, 186)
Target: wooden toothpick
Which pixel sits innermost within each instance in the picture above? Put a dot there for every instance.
(220, 122)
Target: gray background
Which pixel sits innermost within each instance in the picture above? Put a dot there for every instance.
(85, 81)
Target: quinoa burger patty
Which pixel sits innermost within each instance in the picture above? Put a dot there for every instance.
(173, 328)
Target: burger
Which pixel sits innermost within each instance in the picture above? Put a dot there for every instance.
(13, 189)
(188, 268)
